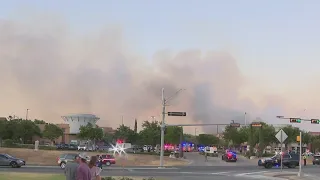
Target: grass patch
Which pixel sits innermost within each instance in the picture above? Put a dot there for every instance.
(39, 176)
(30, 176)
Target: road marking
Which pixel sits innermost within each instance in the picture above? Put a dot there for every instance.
(251, 173)
(263, 177)
(217, 173)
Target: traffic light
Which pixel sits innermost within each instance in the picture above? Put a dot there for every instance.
(315, 121)
(298, 139)
(295, 120)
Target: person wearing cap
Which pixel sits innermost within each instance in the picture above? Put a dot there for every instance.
(83, 171)
(70, 170)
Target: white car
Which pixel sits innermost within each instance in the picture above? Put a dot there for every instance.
(82, 148)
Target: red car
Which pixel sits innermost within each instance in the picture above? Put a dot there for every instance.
(108, 159)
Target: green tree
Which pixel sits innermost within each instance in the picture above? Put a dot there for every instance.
(231, 134)
(37, 121)
(292, 133)
(315, 144)
(108, 138)
(3, 131)
(126, 134)
(89, 132)
(52, 132)
(150, 133)
(172, 135)
(208, 139)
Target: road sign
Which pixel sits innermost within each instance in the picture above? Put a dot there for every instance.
(235, 124)
(281, 136)
(256, 124)
(315, 121)
(295, 120)
(177, 114)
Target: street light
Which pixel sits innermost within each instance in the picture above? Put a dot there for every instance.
(164, 104)
(27, 114)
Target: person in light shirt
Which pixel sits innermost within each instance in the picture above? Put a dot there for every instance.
(94, 170)
(83, 171)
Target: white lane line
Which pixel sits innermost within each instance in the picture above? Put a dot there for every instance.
(251, 173)
(263, 177)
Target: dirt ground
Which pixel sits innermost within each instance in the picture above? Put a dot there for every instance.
(46, 157)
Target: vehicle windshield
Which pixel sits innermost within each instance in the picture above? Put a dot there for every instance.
(9, 156)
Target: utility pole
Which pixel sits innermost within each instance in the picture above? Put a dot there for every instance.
(300, 154)
(245, 118)
(162, 127)
(121, 120)
(27, 114)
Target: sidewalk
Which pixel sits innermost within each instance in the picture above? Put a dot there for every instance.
(291, 176)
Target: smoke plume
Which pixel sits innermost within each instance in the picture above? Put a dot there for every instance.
(48, 69)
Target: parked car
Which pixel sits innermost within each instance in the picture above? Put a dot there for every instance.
(72, 147)
(62, 146)
(82, 148)
(8, 160)
(316, 160)
(63, 159)
(108, 159)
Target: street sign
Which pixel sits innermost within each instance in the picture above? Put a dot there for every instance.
(177, 114)
(315, 121)
(295, 120)
(235, 124)
(256, 124)
(281, 136)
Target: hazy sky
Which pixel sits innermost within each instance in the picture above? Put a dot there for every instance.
(275, 43)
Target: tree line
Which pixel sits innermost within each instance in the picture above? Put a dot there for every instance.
(263, 136)
(22, 131)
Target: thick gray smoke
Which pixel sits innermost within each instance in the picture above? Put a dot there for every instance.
(48, 69)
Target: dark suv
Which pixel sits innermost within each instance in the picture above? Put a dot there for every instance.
(316, 160)
(288, 160)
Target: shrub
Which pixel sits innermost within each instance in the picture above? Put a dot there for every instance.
(267, 154)
(125, 178)
(8, 143)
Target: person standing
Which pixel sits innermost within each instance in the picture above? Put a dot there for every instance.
(95, 171)
(83, 171)
(70, 171)
(304, 160)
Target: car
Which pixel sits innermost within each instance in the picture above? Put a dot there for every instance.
(108, 159)
(8, 160)
(82, 148)
(229, 156)
(316, 160)
(288, 160)
(63, 159)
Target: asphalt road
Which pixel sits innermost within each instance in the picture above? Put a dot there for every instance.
(200, 172)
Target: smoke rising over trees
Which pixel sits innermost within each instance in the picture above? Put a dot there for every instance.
(44, 66)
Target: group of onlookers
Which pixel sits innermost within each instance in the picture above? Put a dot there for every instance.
(83, 168)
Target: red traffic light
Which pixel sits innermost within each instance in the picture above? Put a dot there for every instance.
(314, 121)
(119, 141)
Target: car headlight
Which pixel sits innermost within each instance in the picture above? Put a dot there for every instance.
(262, 160)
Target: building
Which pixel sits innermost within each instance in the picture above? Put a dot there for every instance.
(72, 128)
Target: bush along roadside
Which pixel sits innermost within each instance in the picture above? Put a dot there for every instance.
(125, 178)
(8, 143)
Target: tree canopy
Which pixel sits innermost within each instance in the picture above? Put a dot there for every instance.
(52, 132)
(89, 132)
